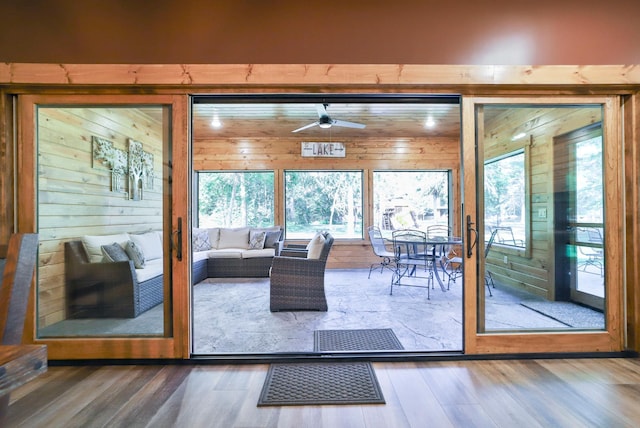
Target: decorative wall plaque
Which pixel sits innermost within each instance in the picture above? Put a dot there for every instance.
(323, 149)
(131, 172)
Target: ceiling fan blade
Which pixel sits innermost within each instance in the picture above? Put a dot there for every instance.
(306, 127)
(346, 124)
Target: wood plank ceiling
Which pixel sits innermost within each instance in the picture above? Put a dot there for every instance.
(260, 120)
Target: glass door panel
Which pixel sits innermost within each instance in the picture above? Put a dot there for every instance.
(100, 198)
(104, 213)
(541, 198)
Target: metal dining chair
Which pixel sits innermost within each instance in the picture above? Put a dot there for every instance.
(380, 249)
(410, 252)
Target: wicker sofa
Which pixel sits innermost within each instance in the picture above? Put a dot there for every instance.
(100, 284)
(235, 252)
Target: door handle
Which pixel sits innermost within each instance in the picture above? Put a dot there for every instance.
(471, 242)
(177, 241)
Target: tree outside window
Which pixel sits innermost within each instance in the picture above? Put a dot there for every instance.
(504, 198)
(235, 199)
(323, 200)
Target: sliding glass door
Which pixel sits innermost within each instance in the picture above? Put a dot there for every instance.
(546, 271)
(105, 175)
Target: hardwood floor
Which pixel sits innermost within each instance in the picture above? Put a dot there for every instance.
(502, 393)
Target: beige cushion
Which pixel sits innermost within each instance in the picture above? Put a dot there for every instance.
(234, 238)
(149, 243)
(312, 239)
(229, 253)
(314, 248)
(93, 244)
(200, 255)
(151, 270)
(252, 254)
(214, 236)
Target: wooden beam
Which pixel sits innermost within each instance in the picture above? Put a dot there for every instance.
(317, 74)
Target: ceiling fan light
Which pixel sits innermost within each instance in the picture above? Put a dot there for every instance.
(324, 125)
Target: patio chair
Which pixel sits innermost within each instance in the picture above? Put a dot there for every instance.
(488, 279)
(592, 256)
(410, 252)
(380, 250)
(452, 266)
(436, 231)
(297, 283)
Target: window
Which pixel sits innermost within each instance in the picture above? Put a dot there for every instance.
(410, 199)
(505, 199)
(235, 199)
(323, 200)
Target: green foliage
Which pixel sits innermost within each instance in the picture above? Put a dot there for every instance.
(233, 199)
(504, 189)
(329, 200)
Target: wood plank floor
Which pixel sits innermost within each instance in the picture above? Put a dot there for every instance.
(515, 393)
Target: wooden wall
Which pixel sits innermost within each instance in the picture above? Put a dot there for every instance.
(362, 154)
(535, 271)
(75, 199)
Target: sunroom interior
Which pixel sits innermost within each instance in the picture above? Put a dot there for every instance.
(402, 169)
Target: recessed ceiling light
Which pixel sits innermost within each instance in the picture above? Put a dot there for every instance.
(215, 122)
(429, 123)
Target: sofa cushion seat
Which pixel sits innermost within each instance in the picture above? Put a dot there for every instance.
(226, 253)
(200, 255)
(152, 268)
(265, 252)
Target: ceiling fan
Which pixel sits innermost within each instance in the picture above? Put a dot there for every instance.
(324, 121)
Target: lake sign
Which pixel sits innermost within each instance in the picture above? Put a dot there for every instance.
(323, 150)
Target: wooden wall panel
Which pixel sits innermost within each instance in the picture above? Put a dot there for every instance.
(74, 194)
(361, 154)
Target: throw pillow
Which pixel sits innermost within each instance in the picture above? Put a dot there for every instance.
(271, 238)
(313, 239)
(114, 253)
(314, 249)
(234, 238)
(256, 240)
(92, 244)
(135, 253)
(201, 240)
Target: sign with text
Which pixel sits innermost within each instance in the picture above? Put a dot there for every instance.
(325, 150)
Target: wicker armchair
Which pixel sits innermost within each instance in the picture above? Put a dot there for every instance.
(297, 284)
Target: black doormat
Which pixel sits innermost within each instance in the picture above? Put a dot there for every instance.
(356, 340)
(297, 384)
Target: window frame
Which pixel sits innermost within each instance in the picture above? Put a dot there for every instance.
(196, 188)
(449, 186)
(508, 249)
(363, 201)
